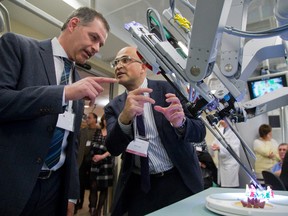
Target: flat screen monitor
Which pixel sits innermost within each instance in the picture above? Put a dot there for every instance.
(263, 86)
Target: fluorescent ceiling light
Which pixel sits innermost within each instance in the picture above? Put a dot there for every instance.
(73, 3)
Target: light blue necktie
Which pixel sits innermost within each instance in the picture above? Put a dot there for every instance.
(54, 152)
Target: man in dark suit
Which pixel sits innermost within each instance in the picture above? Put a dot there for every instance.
(32, 101)
(284, 171)
(174, 171)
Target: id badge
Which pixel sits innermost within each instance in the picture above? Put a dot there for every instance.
(88, 143)
(198, 148)
(66, 121)
(138, 147)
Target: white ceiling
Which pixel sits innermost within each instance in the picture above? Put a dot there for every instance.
(117, 12)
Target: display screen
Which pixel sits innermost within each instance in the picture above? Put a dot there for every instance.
(263, 86)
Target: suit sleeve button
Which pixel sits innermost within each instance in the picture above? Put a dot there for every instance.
(39, 160)
(50, 129)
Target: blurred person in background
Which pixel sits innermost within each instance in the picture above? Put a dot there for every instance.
(266, 151)
(284, 171)
(101, 176)
(282, 149)
(228, 167)
(208, 167)
(84, 159)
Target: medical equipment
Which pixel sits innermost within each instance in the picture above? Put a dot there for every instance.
(217, 32)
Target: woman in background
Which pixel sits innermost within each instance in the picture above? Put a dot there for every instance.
(101, 170)
(266, 151)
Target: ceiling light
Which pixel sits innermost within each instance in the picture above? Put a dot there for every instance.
(73, 3)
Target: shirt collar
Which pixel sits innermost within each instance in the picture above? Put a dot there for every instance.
(143, 85)
(58, 49)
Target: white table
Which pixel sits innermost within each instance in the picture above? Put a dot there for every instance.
(195, 205)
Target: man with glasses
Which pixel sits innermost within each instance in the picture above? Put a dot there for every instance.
(162, 143)
(124, 60)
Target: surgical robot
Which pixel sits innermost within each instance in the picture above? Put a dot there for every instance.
(216, 47)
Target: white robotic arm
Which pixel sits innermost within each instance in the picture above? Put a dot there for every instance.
(209, 39)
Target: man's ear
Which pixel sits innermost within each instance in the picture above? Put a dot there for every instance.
(73, 23)
(144, 66)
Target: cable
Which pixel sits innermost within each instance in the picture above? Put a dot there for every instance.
(157, 21)
(260, 34)
(172, 6)
(189, 5)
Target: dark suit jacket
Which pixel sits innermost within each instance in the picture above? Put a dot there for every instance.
(284, 171)
(30, 102)
(180, 151)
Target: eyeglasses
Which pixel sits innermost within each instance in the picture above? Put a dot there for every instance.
(124, 60)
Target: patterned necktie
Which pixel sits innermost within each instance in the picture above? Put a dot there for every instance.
(144, 163)
(66, 72)
(54, 151)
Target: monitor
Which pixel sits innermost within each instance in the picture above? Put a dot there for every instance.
(274, 121)
(265, 85)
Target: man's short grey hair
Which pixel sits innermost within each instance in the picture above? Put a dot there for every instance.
(86, 15)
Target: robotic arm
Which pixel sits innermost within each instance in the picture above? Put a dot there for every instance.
(215, 48)
(212, 38)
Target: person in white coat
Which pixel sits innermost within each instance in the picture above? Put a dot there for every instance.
(228, 167)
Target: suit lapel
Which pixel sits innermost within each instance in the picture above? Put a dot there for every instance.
(121, 102)
(46, 55)
(48, 61)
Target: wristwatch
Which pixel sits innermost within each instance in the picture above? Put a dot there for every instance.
(182, 126)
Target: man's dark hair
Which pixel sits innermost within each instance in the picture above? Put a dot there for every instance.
(86, 15)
